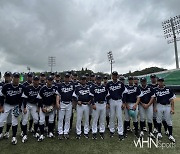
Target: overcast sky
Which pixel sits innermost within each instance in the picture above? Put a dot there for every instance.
(79, 33)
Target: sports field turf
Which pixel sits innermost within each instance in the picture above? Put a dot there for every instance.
(108, 145)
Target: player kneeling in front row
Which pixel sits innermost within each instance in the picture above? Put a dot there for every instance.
(99, 93)
(65, 90)
(146, 107)
(12, 93)
(31, 107)
(48, 98)
(164, 107)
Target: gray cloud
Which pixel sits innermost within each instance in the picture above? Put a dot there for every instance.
(80, 33)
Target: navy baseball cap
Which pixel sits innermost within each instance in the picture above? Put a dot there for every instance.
(115, 73)
(57, 75)
(153, 76)
(42, 74)
(161, 79)
(92, 75)
(29, 74)
(105, 77)
(143, 79)
(75, 74)
(87, 74)
(83, 77)
(67, 75)
(7, 73)
(16, 75)
(130, 78)
(121, 78)
(52, 73)
(50, 78)
(136, 78)
(98, 77)
(36, 78)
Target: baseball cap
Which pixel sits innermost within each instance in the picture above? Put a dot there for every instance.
(105, 77)
(87, 74)
(115, 73)
(136, 78)
(161, 79)
(36, 78)
(57, 75)
(92, 75)
(52, 73)
(130, 78)
(42, 74)
(121, 77)
(7, 73)
(29, 74)
(67, 75)
(143, 79)
(98, 77)
(75, 74)
(16, 75)
(153, 76)
(83, 77)
(50, 78)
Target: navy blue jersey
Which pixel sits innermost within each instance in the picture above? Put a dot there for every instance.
(30, 94)
(147, 94)
(66, 91)
(42, 83)
(130, 96)
(99, 93)
(12, 94)
(90, 83)
(153, 85)
(115, 90)
(163, 95)
(1, 96)
(82, 93)
(47, 95)
(25, 84)
(76, 83)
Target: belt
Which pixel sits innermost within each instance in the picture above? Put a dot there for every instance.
(116, 99)
(85, 103)
(66, 102)
(100, 102)
(164, 104)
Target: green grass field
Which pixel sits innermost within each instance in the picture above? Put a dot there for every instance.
(89, 146)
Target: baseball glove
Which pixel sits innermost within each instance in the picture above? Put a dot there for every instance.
(16, 111)
(49, 108)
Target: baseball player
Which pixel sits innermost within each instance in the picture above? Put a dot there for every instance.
(30, 106)
(83, 98)
(131, 99)
(13, 98)
(146, 106)
(136, 81)
(48, 98)
(42, 79)
(154, 85)
(164, 107)
(57, 79)
(116, 90)
(65, 90)
(99, 93)
(7, 79)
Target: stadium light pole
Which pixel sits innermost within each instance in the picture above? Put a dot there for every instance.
(111, 59)
(171, 29)
(51, 62)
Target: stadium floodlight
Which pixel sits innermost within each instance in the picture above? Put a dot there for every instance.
(111, 59)
(171, 29)
(51, 62)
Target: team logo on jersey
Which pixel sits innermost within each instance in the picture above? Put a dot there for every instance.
(162, 93)
(113, 88)
(99, 91)
(66, 90)
(33, 93)
(49, 93)
(130, 91)
(146, 91)
(14, 92)
(84, 92)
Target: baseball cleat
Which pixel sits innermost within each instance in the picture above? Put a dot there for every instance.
(128, 128)
(66, 136)
(78, 137)
(60, 137)
(121, 137)
(22, 134)
(86, 136)
(125, 135)
(111, 134)
(172, 139)
(102, 136)
(51, 135)
(36, 135)
(41, 138)
(159, 136)
(24, 139)
(141, 134)
(6, 135)
(155, 131)
(1, 136)
(151, 135)
(94, 136)
(145, 129)
(14, 141)
(167, 133)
